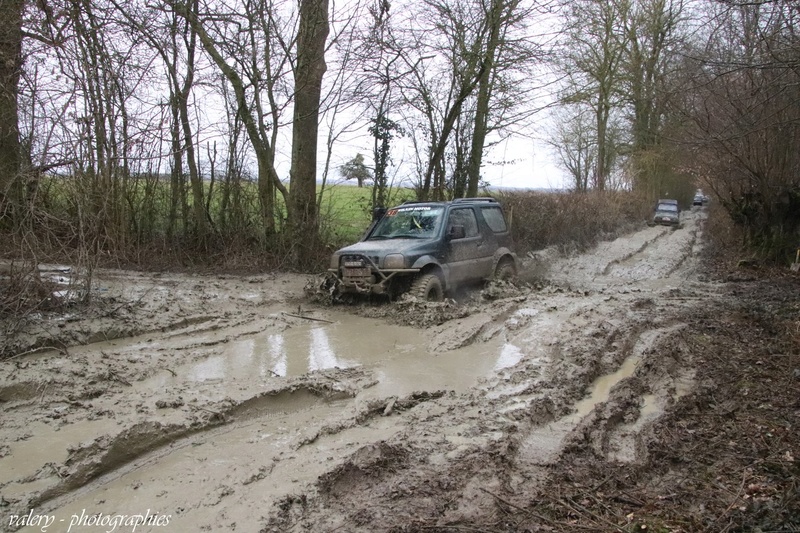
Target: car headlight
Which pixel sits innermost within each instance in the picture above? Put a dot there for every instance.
(335, 261)
(394, 261)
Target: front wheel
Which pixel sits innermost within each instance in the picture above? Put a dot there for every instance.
(428, 288)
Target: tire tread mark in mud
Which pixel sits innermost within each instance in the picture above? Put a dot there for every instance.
(602, 407)
(684, 257)
(148, 442)
(634, 253)
(124, 449)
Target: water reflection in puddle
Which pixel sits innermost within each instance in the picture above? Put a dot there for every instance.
(510, 355)
(290, 353)
(398, 355)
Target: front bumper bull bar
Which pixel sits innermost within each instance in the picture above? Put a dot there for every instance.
(367, 279)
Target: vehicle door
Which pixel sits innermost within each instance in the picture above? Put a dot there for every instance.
(497, 234)
(467, 249)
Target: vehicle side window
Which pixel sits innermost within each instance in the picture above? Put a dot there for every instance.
(464, 217)
(494, 218)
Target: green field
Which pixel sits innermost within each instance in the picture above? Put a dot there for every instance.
(345, 210)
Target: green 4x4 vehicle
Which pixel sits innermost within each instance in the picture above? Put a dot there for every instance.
(427, 248)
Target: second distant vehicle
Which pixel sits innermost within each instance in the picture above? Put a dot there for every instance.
(668, 201)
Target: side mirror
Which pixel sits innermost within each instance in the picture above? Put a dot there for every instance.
(378, 213)
(456, 232)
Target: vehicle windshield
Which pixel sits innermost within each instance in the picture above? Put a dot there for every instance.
(411, 222)
(667, 207)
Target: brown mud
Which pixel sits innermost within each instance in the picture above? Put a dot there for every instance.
(625, 389)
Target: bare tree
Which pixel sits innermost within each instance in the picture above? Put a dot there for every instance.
(380, 57)
(653, 40)
(593, 56)
(575, 146)
(654, 43)
(342, 112)
(175, 42)
(507, 57)
(744, 107)
(443, 51)
(247, 82)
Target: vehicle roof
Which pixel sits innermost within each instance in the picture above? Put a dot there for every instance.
(458, 201)
(667, 201)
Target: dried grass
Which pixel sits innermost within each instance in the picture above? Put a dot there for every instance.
(571, 221)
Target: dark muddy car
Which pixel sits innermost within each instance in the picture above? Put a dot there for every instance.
(667, 214)
(427, 248)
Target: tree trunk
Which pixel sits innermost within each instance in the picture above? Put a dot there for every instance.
(602, 129)
(10, 66)
(484, 97)
(176, 177)
(310, 67)
(435, 170)
(199, 215)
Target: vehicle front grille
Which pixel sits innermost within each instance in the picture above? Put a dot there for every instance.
(358, 261)
(353, 261)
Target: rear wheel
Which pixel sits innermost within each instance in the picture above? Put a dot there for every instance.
(505, 271)
(428, 288)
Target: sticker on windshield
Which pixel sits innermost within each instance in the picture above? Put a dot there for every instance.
(415, 208)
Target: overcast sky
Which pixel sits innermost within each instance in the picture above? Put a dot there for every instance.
(529, 163)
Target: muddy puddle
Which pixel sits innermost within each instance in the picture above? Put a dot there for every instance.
(398, 356)
(601, 389)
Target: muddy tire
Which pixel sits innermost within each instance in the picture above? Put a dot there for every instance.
(428, 288)
(505, 271)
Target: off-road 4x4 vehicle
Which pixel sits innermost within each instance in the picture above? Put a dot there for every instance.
(427, 248)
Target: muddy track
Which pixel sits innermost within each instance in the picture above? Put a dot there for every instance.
(239, 405)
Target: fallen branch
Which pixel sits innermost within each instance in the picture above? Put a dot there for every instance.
(219, 415)
(518, 508)
(113, 376)
(126, 303)
(583, 510)
(733, 503)
(44, 391)
(62, 351)
(309, 318)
